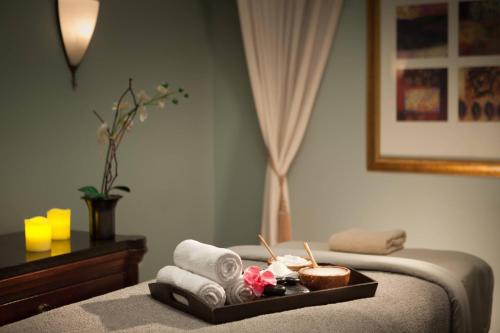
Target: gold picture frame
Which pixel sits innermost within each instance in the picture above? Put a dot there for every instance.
(375, 159)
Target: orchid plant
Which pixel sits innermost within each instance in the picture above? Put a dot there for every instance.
(125, 111)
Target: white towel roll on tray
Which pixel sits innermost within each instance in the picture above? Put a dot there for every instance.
(209, 291)
(238, 292)
(220, 265)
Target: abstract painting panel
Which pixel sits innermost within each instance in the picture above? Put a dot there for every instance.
(479, 98)
(479, 28)
(422, 95)
(422, 30)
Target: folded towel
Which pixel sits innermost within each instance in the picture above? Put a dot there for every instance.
(209, 291)
(366, 241)
(238, 292)
(220, 265)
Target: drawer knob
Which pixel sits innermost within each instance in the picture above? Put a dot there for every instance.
(44, 307)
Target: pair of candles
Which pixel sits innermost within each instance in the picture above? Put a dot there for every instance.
(40, 231)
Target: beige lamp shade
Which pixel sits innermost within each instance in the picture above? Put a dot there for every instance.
(77, 19)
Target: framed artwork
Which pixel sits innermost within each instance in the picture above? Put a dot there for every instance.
(434, 86)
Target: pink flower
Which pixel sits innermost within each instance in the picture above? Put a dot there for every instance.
(257, 280)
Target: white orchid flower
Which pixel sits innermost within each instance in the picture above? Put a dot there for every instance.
(143, 113)
(162, 90)
(161, 103)
(143, 97)
(102, 134)
(123, 106)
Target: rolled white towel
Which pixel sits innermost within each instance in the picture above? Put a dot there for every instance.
(209, 291)
(238, 292)
(220, 265)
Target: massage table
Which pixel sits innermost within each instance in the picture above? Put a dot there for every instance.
(406, 302)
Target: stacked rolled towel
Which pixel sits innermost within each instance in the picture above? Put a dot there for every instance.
(209, 291)
(238, 292)
(217, 264)
(368, 242)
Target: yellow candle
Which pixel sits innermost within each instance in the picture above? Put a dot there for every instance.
(60, 219)
(60, 247)
(38, 234)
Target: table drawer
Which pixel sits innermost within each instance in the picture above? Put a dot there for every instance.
(26, 307)
(36, 283)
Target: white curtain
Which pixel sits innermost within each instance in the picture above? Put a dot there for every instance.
(287, 43)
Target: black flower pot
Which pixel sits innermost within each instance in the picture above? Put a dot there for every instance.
(102, 216)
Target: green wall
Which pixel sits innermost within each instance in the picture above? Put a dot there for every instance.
(47, 130)
(239, 150)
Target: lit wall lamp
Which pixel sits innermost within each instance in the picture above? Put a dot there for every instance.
(77, 19)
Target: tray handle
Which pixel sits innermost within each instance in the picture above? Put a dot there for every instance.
(180, 297)
(174, 295)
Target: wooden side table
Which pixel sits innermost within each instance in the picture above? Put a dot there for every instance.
(75, 270)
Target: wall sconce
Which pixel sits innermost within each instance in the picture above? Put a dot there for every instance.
(77, 19)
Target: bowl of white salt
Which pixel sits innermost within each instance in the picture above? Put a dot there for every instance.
(324, 277)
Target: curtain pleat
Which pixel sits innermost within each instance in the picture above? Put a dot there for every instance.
(287, 43)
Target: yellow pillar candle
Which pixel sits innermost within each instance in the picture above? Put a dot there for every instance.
(38, 234)
(60, 219)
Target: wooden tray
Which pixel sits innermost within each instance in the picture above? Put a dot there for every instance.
(360, 286)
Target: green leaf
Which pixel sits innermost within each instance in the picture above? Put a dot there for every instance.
(121, 188)
(91, 192)
(175, 101)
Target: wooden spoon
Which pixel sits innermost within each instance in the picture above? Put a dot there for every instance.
(308, 250)
(267, 247)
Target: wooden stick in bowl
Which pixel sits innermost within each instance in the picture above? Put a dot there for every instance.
(308, 250)
(267, 247)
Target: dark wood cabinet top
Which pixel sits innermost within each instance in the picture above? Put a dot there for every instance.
(15, 260)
